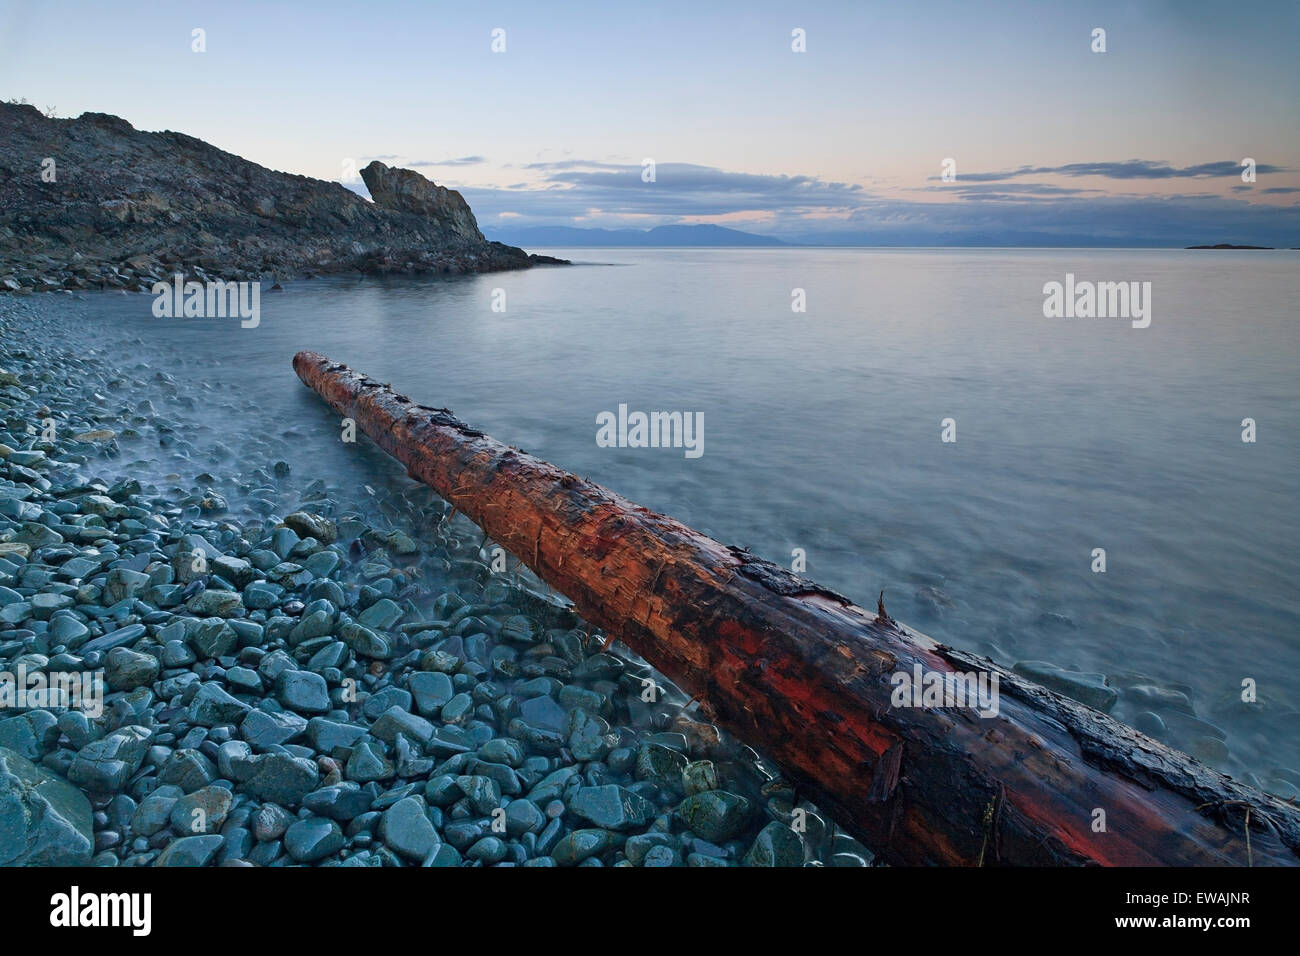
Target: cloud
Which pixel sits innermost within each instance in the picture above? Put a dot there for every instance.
(461, 161)
(577, 164)
(1181, 220)
(1026, 191)
(1127, 169)
(576, 188)
(980, 209)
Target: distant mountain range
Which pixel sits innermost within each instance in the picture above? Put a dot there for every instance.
(701, 235)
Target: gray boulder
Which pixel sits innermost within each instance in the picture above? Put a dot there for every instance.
(44, 820)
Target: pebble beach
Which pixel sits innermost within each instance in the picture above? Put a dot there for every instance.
(291, 673)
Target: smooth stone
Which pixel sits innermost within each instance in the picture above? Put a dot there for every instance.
(303, 691)
(776, 845)
(716, 815)
(244, 680)
(270, 822)
(1090, 689)
(215, 603)
(313, 839)
(661, 856)
(327, 735)
(118, 638)
(382, 615)
(641, 844)
(282, 779)
(368, 763)
(503, 750)
(188, 769)
(612, 807)
(341, 802)
(177, 654)
(305, 524)
(154, 811)
(262, 595)
(190, 851)
(405, 828)
(263, 729)
(1158, 698)
(487, 851)
(203, 811)
(382, 700)
(458, 709)
(523, 816)
(545, 713)
(237, 571)
(431, 690)
(444, 855)
(398, 721)
(581, 845)
(589, 736)
(1150, 723)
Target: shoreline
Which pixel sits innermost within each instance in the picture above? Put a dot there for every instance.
(225, 480)
(229, 608)
(74, 277)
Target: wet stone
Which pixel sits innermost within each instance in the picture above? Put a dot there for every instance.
(1090, 689)
(203, 811)
(106, 764)
(282, 779)
(716, 815)
(611, 807)
(212, 707)
(313, 839)
(302, 691)
(543, 713)
(699, 776)
(776, 845)
(264, 729)
(191, 851)
(342, 802)
(581, 845)
(405, 828)
(431, 691)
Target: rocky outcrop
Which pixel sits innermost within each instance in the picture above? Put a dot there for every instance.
(406, 191)
(92, 202)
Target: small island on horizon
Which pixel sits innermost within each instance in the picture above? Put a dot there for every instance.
(1228, 245)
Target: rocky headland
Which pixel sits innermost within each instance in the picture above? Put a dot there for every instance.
(93, 203)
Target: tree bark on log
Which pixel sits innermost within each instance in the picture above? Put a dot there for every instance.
(808, 677)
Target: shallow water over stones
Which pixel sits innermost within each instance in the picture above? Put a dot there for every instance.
(300, 674)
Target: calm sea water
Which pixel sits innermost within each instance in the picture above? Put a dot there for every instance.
(823, 433)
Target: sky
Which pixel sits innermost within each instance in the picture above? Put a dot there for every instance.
(1050, 141)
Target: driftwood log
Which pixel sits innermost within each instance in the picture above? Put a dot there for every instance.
(807, 676)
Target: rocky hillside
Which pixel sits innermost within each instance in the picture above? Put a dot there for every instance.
(92, 202)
